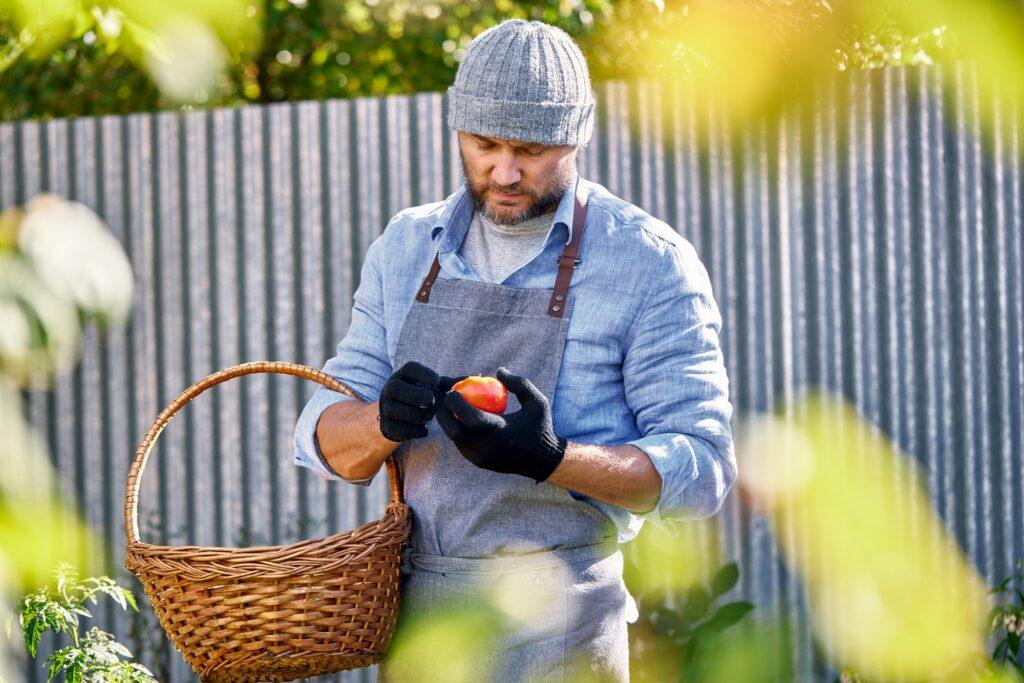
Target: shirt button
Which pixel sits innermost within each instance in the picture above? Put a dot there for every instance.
(558, 297)
(556, 308)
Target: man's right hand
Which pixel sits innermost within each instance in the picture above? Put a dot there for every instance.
(409, 399)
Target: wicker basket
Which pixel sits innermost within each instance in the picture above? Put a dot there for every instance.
(275, 613)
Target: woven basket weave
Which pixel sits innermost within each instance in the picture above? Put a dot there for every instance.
(274, 613)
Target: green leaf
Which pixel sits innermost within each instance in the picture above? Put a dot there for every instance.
(726, 616)
(64, 618)
(141, 669)
(1013, 642)
(53, 622)
(697, 603)
(132, 672)
(120, 650)
(724, 579)
(1000, 650)
(55, 668)
(66, 573)
(61, 660)
(1001, 586)
(109, 587)
(33, 630)
(74, 673)
(130, 598)
(994, 614)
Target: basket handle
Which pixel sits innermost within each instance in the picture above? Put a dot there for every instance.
(131, 493)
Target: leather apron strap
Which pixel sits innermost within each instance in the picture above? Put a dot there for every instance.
(567, 263)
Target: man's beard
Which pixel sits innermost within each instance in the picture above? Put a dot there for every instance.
(538, 206)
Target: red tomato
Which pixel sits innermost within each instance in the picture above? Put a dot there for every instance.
(484, 393)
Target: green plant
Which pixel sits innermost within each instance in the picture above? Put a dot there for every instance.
(1007, 620)
(92, 656)
(682, 634)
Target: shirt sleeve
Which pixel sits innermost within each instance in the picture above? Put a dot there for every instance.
(676, 385)
(361, 363)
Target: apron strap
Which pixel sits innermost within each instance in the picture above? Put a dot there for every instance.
(567, 263)
(424, 294)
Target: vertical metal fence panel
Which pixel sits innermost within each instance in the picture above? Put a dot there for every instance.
(868, 243)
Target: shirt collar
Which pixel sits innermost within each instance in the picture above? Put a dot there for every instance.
(453, 223)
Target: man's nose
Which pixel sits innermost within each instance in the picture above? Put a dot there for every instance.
(506, 170)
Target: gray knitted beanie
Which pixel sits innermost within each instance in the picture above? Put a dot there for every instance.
(523, 80)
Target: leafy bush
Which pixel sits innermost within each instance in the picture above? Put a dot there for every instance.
(102, 61)
(92, 656)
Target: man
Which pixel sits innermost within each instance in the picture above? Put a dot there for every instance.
(600, 321)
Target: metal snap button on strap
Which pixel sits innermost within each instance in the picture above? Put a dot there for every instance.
(575, 264)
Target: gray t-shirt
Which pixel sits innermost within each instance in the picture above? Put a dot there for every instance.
(496, 251)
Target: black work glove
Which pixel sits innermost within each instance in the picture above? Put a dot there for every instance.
(523, 442)
(409, 399)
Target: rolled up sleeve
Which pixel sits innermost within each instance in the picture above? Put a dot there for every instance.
(676, 385)
(361, 363)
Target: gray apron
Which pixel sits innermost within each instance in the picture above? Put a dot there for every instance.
(481, 535)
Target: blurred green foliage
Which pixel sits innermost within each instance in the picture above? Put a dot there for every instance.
(316, 49)
(679, 638)
(60, 270)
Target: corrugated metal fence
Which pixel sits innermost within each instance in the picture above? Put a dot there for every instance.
(870, 244)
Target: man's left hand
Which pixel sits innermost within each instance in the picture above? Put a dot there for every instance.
(523, 442)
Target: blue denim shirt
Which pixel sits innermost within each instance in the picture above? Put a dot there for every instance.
(642, 363)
